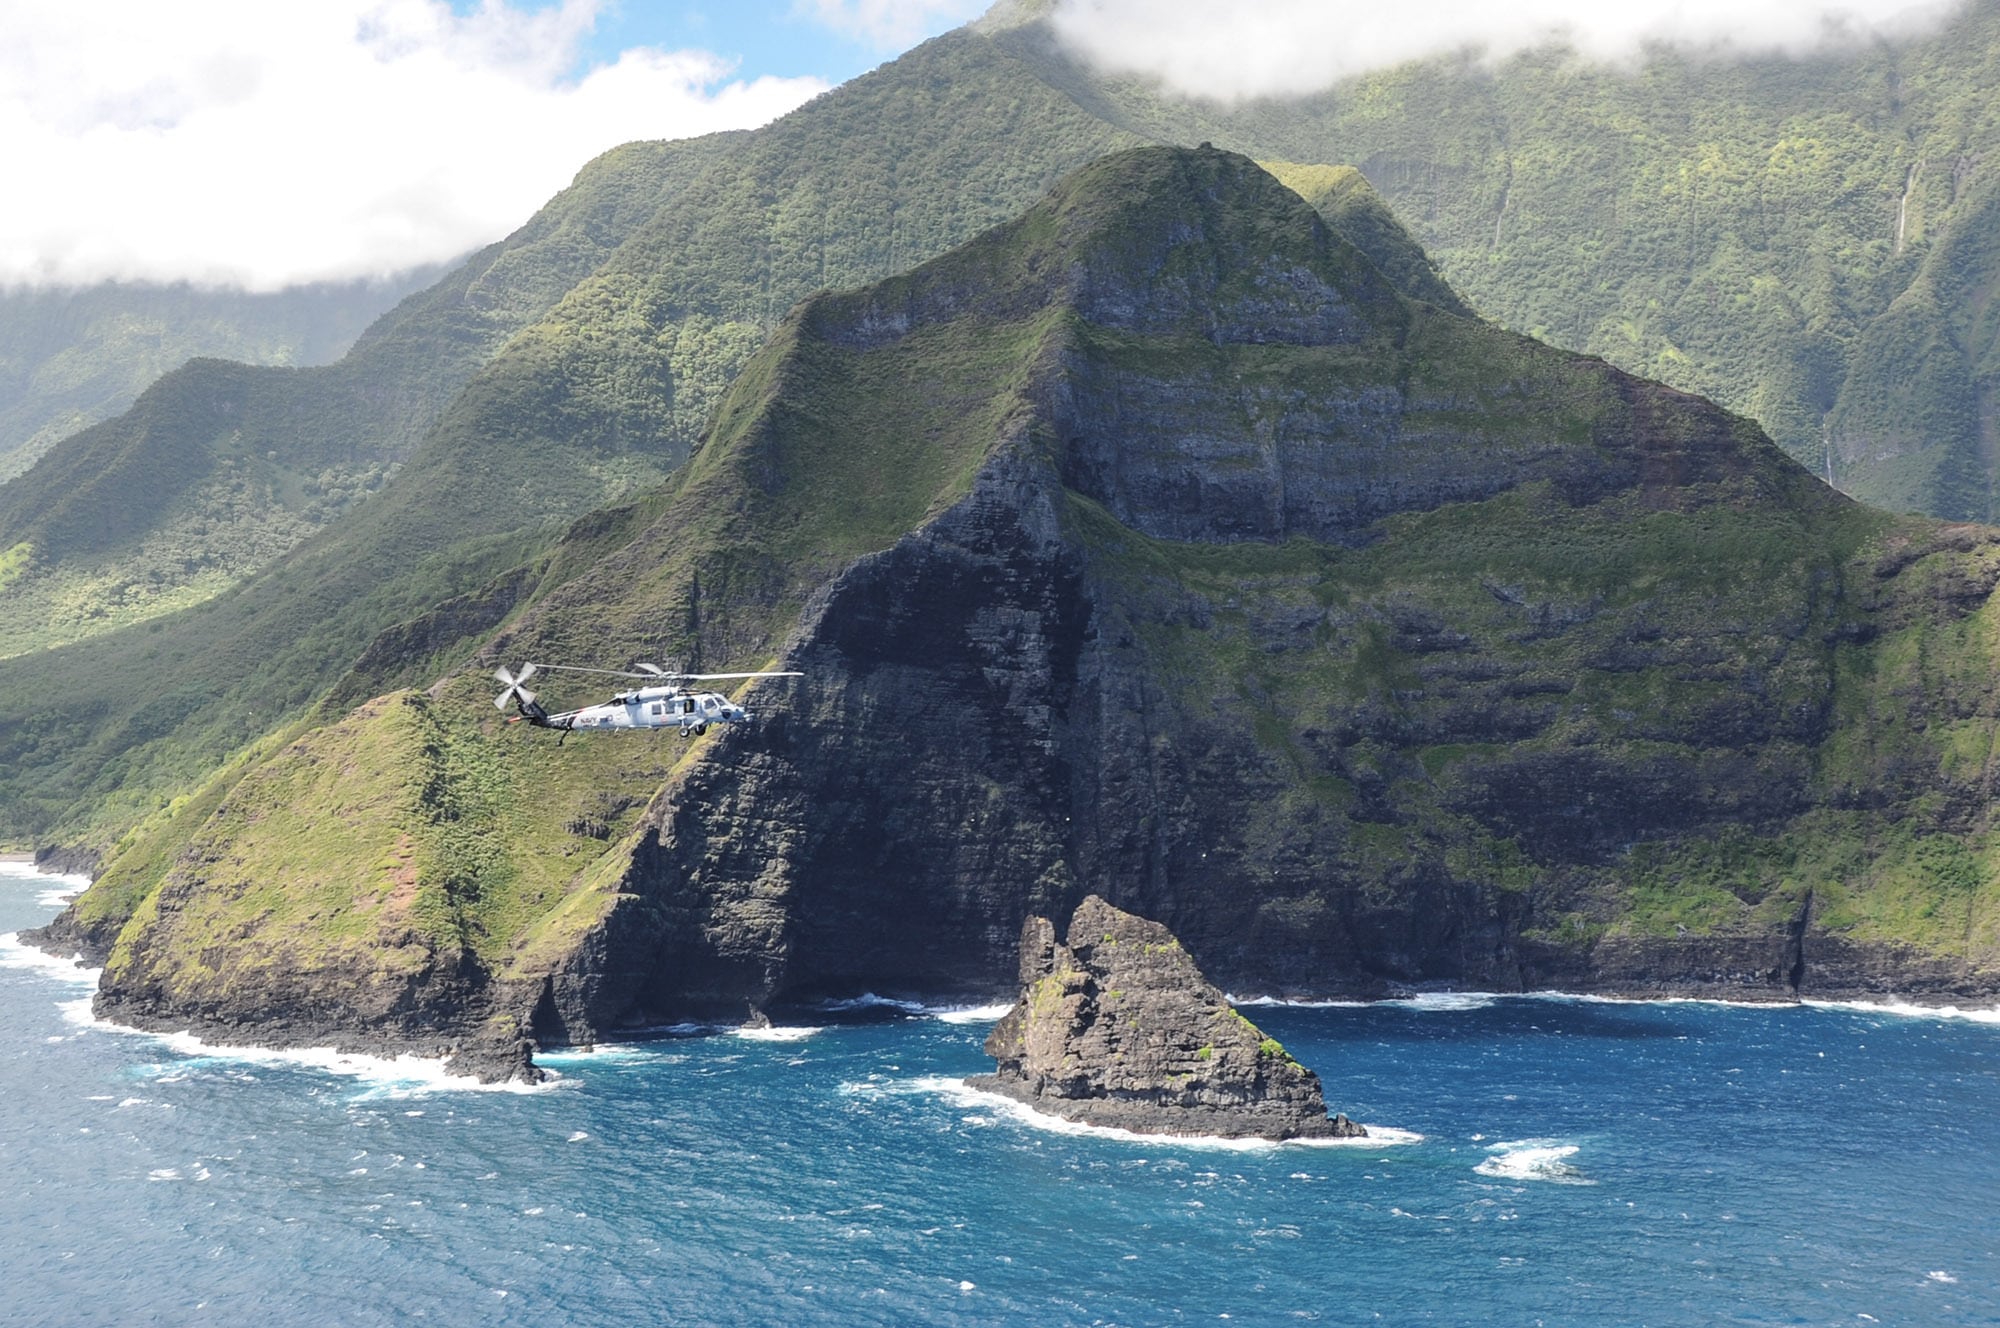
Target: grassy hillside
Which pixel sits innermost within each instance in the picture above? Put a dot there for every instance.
(637, 296)
(1534, 673)
(625, 309)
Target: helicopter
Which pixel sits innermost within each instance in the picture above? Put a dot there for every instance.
(665, 705)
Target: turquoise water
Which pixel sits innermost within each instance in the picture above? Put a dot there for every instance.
(1562, 1162)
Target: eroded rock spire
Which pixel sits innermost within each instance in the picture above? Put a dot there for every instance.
(1116, 1026)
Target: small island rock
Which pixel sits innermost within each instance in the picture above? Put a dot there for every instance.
(1118, 1027)
(497, 1054)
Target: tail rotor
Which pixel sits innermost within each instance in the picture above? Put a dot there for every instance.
(516, 692)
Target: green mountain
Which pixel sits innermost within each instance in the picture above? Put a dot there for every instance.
(1801, 240)
(580, 360)
(1152, 545)
(71, 357)
(219, 468)
(637, 296)
(1807, 241)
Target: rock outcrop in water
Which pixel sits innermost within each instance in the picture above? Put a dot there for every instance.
(1116, 1026)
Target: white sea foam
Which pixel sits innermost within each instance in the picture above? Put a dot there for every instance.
(1445, 1000)
(621, 1053)
(1910, 1010)
(27, 871)
(1423, 1000)
(959, 1094)
(58, 888)
(1598, 998)
(1289, 1004)
(950, 1014)
(868, 1000)
(776, 1033)
(1533, 1159)
(14, 953)
(971, 1014)
(1940, 1275)
(384, 1076)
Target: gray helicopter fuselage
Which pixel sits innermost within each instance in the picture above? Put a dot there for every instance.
(655, 708)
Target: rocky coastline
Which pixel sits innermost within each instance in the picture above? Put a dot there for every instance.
(1366, 648)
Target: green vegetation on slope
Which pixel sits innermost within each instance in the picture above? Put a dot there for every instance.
(638, 295)
(497, 841)
(662, 274)
(1807, 241)
(70, 358)
(1682, 702)
(220, 467)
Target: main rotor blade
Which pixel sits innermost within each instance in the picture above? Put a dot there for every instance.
(653, 671)
(709, 677)
(572, 668)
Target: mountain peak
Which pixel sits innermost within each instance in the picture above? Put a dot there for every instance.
(1155, 241)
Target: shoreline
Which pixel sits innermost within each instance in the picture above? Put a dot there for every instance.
(1910, 1005)
(394, 1072)
(963, 1093)
(957, 1009)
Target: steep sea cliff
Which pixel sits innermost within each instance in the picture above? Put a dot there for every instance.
(1153, 545)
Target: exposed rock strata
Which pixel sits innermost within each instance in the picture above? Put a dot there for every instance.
(1115, 1026)
(1380, 650)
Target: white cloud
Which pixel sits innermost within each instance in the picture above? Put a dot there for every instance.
(1292, 47)
(887, 25)
(259, 144)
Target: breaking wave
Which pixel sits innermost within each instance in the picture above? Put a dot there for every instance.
(950, 1014)
(1533, 1159)
(1909, 1010)
(400, 1076)
(58, 888)
(776, 1033)
(959, 1094)
(16, 953)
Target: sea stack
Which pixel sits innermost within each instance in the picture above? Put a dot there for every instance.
(1116, 1026)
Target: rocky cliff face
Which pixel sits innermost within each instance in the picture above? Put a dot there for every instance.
(1154, 547)
(1115, 1026)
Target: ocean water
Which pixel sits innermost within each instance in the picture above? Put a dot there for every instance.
(1544, 1161)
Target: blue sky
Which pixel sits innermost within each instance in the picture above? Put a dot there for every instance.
(284, 141)
(768, 36)
(832, 40)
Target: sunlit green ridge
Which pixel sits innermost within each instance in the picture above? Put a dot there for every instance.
(1476, 661)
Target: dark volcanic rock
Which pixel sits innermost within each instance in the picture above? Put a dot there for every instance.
(68, 859)
(1117, 1027)
(1151, 545)
(498, 1053)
